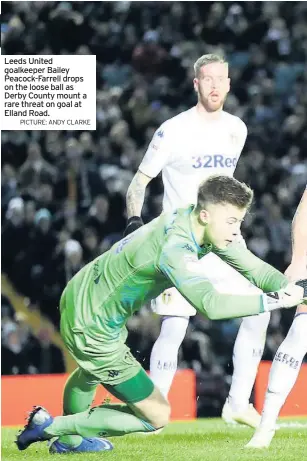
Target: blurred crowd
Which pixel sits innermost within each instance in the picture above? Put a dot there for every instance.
(63, 193)
(24, 351)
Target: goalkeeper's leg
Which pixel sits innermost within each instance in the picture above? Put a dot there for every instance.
(78, 396)
(283, 375)
(146, 410)
(109, 420)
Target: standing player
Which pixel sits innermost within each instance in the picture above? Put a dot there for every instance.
(188, 148)
(290, 354)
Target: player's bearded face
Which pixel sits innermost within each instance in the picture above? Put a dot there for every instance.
(223, 223)
(212, 86)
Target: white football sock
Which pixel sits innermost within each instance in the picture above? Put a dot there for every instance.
(164, 354)
(247, 353)
(285, 369)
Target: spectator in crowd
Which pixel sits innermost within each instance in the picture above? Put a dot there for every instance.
(90, 244)
(8, 184)
(15, 235)
(16, 359)
(25, 353)
(48, 357)
(35, 170)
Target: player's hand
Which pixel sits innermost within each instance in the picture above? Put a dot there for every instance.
(303, 283)
(133, 224)
(296, 271)
(291, 296)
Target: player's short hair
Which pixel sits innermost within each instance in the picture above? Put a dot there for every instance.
(220, 189)
(207, 59)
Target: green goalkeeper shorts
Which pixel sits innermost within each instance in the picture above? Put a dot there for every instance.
(109, 364)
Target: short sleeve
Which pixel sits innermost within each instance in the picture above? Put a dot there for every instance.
(158, 153)
(241, 134)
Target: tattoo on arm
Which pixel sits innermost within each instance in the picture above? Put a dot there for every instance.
(136, 194)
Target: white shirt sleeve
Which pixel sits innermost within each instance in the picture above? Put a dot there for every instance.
(241, 138)
(158, 153)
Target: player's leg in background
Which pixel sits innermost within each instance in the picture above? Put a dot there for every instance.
(285, 367)
(164, 354)
(247, 353)
(283, 375)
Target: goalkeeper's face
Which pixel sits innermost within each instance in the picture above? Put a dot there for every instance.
(222, 223)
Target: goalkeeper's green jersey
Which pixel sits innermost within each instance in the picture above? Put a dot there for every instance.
(161, 254)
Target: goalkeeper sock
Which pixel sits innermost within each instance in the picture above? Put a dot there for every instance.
(78, 397)
(164, 354)
(107, 420)
(247, 354)
(285, 369)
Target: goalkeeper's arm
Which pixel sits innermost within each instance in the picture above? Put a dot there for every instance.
(261, 274)
(187, 274)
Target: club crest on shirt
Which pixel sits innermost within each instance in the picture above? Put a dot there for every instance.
(156, 140)
(188, 248)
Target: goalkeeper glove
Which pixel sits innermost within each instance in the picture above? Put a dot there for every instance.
(288, 297)
(303, 284)
(133, 224)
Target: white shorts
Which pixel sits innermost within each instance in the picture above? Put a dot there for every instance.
(223, 277)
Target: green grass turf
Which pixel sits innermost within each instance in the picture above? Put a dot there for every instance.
(203, 440)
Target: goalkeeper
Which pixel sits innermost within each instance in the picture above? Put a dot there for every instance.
(99, 300)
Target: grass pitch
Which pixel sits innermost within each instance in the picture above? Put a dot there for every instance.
(200, 440)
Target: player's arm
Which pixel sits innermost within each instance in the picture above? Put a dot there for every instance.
(186, 273)
(298, 264)
(135, 200)
(154, 160)
(258, 272)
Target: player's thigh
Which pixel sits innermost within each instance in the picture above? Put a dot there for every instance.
(107, 360)
(109, 364)
(172, 303)
(224, 277)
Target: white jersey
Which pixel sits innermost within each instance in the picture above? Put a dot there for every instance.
(188, 150)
